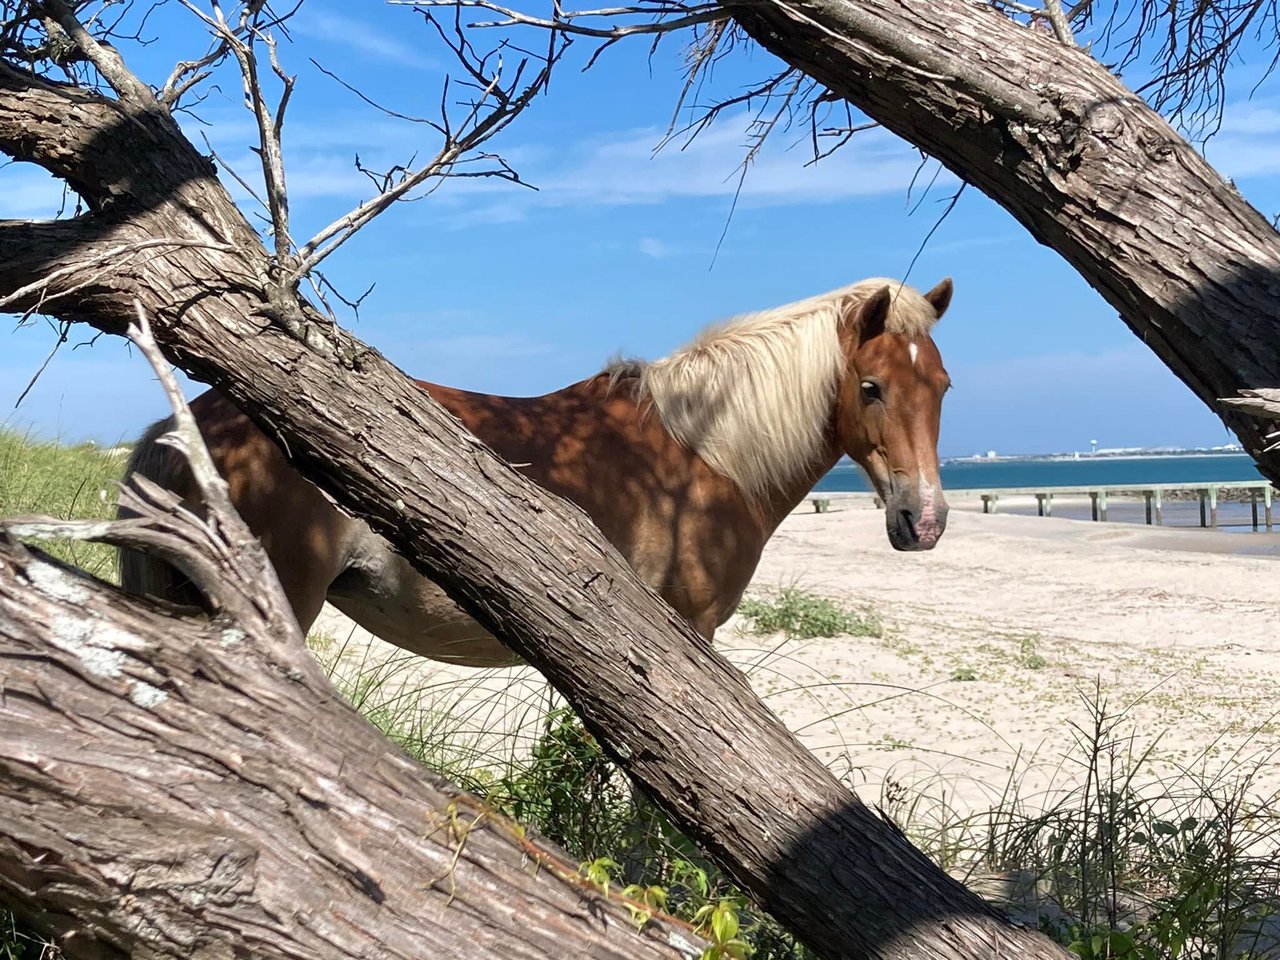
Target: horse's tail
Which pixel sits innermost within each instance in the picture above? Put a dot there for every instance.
(141, 573)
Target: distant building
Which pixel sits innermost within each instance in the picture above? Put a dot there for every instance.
(991, 454)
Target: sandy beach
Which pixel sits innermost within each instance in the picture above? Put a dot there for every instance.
(993, 644)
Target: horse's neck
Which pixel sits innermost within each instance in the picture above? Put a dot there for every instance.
(782, 501)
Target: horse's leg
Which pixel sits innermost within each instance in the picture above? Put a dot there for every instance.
(306, 583)
(308, 541)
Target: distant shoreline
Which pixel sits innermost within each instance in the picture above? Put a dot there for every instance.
(1100, 455)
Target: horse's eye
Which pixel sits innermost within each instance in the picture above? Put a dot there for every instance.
(871, 391)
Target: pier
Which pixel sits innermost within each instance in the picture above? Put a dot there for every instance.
(1155, 495)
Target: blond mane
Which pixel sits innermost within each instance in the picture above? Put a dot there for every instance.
(753, 396)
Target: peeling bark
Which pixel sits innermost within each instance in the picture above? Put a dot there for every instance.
(174, 787)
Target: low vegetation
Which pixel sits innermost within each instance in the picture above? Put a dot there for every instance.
(1130, 859)
(67, 482)
(805, 616)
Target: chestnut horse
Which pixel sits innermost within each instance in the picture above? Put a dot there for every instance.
(686, 464)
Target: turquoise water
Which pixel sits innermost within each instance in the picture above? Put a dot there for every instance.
(995, 474)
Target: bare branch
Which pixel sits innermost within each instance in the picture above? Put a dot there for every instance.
(64, 328)
(269, 127)
(186, 435)
(1263, 403)
(373, 103)
(103, 56)
(94, 268)
(762, 127)
(1058, 20)
(227, 541)
(205, 547)
(951, 205)
(503, 101)
(564, 23)
(187, 73)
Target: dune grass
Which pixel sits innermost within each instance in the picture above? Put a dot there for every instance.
(67, 482)
(799, 615)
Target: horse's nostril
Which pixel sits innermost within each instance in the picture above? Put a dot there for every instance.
(908, 522)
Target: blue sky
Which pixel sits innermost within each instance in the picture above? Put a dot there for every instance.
(494, 287)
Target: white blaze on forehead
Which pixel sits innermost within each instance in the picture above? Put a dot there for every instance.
(914, 351)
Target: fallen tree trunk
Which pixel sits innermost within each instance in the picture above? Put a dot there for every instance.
(1081, 161)
(175, 787)
(526, 565)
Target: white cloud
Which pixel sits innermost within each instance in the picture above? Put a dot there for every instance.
(621, 168)
(624, 168)
(359, 35)
(1248, 145)
(651, 247)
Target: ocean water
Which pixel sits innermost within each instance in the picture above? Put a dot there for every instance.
(1087, 471)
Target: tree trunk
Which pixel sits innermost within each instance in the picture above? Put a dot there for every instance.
(526, 565)
(172, 787)
(1082, 162)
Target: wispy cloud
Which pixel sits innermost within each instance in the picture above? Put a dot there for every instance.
(359, 35)
(624, 168)
(652, 247)
(1248, 144)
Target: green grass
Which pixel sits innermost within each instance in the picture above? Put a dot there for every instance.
(1122, 864)
(67, 482)
(551, 775)
(16, 943)
(1136, 859)
(803, 616)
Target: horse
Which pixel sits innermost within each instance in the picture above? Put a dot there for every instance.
(686, 464)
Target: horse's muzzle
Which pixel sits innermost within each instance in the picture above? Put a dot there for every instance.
(915, 519)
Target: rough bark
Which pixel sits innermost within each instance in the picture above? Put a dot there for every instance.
(1082, 162)
(174, 787)
(528, 566)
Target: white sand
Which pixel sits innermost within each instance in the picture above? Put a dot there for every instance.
(1037, 611)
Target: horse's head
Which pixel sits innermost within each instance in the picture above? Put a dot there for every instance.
(890, 406)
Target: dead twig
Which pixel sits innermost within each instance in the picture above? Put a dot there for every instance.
(214, 549)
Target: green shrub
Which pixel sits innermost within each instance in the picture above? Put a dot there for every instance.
(17, 943)
(803, 616)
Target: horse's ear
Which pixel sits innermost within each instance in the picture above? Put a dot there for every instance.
(940, 296)
(874, 314)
